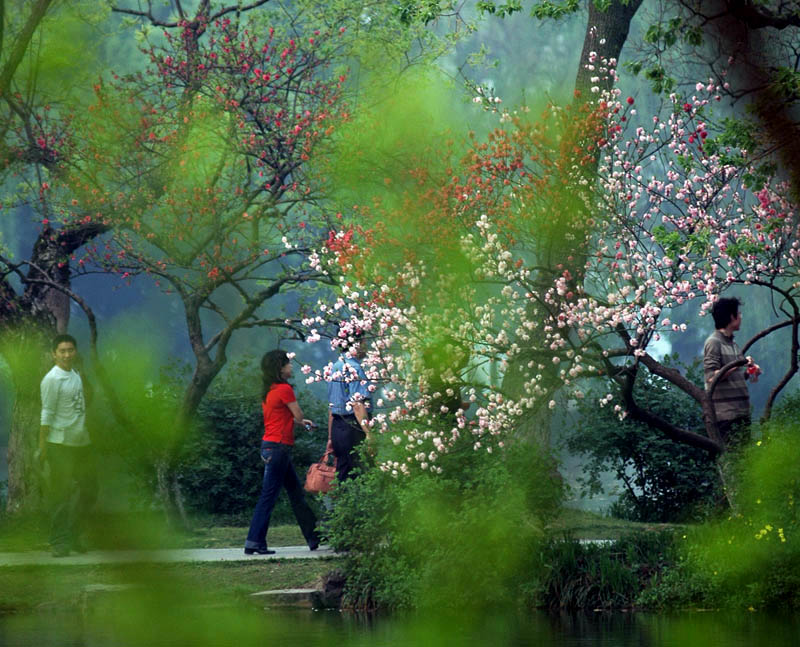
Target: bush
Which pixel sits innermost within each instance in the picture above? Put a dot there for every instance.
(750, 558)
(221, 468)
(664, 481)
(591, 576)
(466, 538)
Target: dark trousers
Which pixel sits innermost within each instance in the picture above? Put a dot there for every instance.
(735, 433)
(346, 435)
(279, 471)
(72, 492)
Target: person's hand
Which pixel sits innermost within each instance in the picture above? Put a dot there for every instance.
(753, 370)
(369, 441)
(308, 424)
(40, 455)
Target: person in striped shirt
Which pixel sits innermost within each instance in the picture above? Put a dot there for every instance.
(731, 398)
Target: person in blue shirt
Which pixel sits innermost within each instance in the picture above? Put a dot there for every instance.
(349, 406)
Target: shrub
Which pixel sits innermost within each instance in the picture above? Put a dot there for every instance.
(469, 539)
(751, 557)
(664, 481)
(609, 576)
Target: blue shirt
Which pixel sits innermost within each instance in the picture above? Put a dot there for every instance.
(348, 383)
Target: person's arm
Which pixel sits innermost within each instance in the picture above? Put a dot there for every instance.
(44, 432)
(329, 446)
(297, 412)
(49, 392)
(712, 361)
(360, 412)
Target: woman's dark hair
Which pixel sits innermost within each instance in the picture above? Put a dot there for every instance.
(271, 365)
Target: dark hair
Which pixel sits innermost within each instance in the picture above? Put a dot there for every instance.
(724, 310)
(60, 339)
(347, 337)
(271, 365)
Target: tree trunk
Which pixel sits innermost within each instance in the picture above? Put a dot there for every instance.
(25, 352)
(612, 27)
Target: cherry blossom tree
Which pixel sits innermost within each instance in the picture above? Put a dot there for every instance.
(677, 215)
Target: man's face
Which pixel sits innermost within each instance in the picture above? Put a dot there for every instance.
(64, 355)
(736, 321)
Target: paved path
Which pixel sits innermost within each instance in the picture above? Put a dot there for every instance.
(173, 555)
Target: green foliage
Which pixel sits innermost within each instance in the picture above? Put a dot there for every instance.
(660, 81)
(221, 469)
(592, 576)
(555, 10)
(664, 481)
(412, 11)
(467, 540)
(501, 10)
(787, 81)
(677, 587)
(752, 557)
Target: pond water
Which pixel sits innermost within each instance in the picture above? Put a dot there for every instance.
(217, 626)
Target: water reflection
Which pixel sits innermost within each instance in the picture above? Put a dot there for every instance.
(106, 626)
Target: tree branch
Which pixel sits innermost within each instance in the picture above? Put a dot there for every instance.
(18, 50)
(671, 431)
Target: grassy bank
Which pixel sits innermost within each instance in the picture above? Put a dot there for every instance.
(33, 588)
(582, 524)
(28, 588)
(44, 587)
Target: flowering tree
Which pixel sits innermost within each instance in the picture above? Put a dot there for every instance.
(36, 101)
(676, 214)
(197, 168)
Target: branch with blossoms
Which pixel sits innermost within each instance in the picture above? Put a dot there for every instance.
(573, 275)
(197, 167)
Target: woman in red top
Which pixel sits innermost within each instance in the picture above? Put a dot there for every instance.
(281, 414)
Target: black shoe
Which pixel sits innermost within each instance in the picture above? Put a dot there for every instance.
(258, 551)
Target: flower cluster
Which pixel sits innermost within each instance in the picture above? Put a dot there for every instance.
(585, 232)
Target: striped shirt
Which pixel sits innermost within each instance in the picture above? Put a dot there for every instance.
(731, 399)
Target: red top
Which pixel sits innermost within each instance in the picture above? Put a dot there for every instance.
(278, 420)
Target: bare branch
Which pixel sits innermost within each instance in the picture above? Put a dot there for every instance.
(230, 9)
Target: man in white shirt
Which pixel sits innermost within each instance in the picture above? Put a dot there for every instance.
(64, 443)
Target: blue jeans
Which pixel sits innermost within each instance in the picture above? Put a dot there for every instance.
(279, 471)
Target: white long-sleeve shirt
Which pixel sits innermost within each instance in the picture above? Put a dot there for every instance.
(64, 407)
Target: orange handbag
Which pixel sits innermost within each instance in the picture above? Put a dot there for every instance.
(320, 475)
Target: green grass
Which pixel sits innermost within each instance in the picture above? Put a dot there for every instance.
(110, 532)
(582, 524)
(227, 536)
(58, 587)
(148, 531)
(44, 587)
